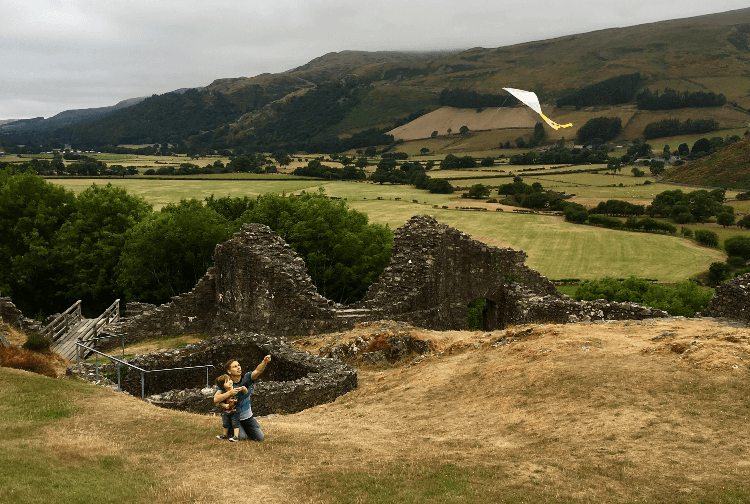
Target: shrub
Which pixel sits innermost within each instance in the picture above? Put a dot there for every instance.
(706, 237)
(20, 358)
(736, 261)
(379, 343)
(686, 232)
(738, 246)
(603, 220)
(36, 342)
(475, 314)
(718, 272)
(683, 299)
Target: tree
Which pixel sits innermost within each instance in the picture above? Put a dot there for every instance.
(520, 143)
(706, 237)
(656, 167)
(614, 165)
(424, 151)
(604, 128)
(434, 134)
(167, 253)
(344, 254)
(440, 186)
(701, 145)
(91, 240)
(31, 213)
(725, 219)
(463, 130)
(738, 246)
(479, 191)
(718, 272)
(539, 136)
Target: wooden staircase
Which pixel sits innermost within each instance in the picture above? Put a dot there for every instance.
(70, 327)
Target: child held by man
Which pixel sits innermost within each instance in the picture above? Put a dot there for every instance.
(230, 417)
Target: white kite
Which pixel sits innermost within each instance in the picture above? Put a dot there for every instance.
(530, 99)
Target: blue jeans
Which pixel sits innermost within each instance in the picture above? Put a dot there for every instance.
(251, 427)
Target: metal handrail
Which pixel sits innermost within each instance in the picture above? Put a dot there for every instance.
(142, 371)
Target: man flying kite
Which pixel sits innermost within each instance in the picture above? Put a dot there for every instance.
(530, 99)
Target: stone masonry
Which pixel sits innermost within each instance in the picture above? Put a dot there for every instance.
(292, 381)
(731, 300)
(258, 283)
(14, 318)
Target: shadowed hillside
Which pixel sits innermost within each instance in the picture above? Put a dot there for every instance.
(729, 167)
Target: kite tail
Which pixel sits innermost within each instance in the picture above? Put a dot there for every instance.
(554, 124)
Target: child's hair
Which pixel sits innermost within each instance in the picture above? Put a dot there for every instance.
(221, 380)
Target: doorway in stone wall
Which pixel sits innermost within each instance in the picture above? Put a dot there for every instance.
(483, 314)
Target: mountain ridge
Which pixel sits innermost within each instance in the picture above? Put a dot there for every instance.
(350, 92)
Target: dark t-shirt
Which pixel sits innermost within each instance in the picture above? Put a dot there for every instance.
(243, 400)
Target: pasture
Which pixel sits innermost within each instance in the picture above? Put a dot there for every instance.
(555, 248)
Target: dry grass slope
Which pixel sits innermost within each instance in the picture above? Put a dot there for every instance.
(616, 412)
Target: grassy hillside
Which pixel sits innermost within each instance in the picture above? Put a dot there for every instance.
(652, 411)
(729, 167)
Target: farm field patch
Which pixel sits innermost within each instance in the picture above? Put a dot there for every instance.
(556, 248)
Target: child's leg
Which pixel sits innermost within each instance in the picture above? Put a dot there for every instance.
(237, 432)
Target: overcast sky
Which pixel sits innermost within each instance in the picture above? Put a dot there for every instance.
(58, 55)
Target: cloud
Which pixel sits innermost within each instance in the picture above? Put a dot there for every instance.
(62, 54)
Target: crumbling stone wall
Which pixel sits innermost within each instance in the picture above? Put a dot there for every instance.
(14, 318)
(291, 382)
(731, 300)
(258, 283)
(436, 271)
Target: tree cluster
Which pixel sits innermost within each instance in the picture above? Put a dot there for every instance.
(599, 130)
(559, 156)
(618, 208)
(453, 162)
(671, 99)
(674, 127)
(170, 117)
(612, 91)
(466, 98)
(683, 299)
(315, 168)
(695, 206)
(56, 247)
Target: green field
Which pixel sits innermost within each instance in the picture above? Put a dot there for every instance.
(555, 248)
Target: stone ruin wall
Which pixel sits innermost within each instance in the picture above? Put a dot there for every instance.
(258, 283)
(292, 381)
(731, 300)
(12, 316)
